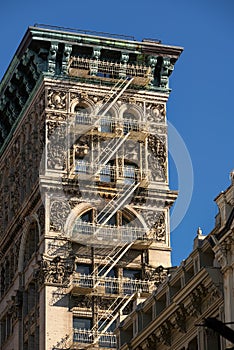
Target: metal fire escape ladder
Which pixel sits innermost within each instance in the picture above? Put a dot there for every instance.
(111, 309)
(109, 151)
(111, 208)
(115, 259)
(113, 316)
(118, 89)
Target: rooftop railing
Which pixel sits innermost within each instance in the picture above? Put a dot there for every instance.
(108, 67)
(84, 31)
(91, 68)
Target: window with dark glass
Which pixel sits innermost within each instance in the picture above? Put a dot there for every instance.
(82, 323)
(83, 269)
(82, 115)
(130, 122)
(133, 274)
(129, 173)
(107, 173)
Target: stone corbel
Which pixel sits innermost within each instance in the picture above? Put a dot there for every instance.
(52, 57)
(165, 333)
(26, 57)
(124, 60)
(152, 61)
(166, 70)
(40, 60)
(94, 63)
(66, 57)
(180, 318)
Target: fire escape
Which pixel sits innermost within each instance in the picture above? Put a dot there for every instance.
(123, 291)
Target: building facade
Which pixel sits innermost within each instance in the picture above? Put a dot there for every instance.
(201, 288)
(85, 198)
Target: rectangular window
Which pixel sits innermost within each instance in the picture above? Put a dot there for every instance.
(107, 125)
(83, 269)
(81, 166)
(82, 323)
(106, 174)
(129, 174)
(133, 274)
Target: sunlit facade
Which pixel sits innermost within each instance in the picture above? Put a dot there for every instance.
(85, 198)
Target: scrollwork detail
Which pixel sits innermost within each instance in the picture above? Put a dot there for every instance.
(59, 211)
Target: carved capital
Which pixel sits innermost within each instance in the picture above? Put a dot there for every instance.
(55, 270)
(157, 275)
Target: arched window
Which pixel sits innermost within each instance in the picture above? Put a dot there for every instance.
(107, 123)
(82, 114)
(120, 218)
(32, 240)
(130, 122)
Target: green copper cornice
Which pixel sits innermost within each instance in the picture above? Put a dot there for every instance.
(59, 53)
(146, 46)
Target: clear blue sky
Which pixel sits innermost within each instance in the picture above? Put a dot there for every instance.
(200, 106)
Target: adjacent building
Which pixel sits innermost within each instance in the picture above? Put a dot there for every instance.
(200, 289)
(85, 199)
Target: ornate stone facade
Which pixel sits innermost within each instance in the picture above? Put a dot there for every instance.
(83, 222)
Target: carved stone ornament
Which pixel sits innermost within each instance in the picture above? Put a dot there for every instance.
(157, 157)
(81, 301)
(180, 318)
(57, 116)
(132, 150)
(52, 57)
(56, 147)
(165, 333)
(157, 275)
(156, 222)
(196, 299)
(59, 211)
(56, 99)
(55, 271)
(104, 303)
(151, 341)
(15, 305)
(166, 70)
(59, 247)
(155, 113)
